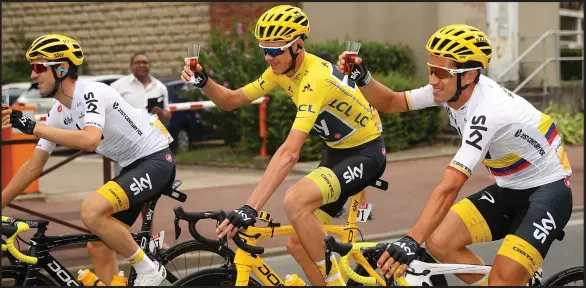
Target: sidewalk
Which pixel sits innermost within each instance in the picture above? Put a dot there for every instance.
(410, 184)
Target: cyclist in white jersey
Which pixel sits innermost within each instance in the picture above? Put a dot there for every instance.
(531, 201)
(92, 116)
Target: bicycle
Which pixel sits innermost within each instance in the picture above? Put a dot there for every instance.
(236, 270)
(423, 271)
(25, 269)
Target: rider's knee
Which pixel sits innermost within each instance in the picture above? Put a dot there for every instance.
(98, 249)
(441, 244)
(504, 276)
(88, 213)
(292, 203)
(294, 247)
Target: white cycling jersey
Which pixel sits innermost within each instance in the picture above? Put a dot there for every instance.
(128, 134)
(518, 144)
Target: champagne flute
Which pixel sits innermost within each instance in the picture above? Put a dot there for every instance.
(352, 48)
(193, 57)
(5, 99)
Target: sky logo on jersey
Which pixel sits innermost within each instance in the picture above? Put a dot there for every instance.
(139, 185)
(352, 174)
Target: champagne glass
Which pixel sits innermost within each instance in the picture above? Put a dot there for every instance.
(5, 99)
(193, 57)
(352, 48)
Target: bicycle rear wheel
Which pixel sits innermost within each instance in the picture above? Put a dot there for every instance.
(213, 277)
(566, 276)
(14, 276)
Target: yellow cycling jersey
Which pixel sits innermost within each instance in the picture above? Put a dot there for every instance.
(338, 113)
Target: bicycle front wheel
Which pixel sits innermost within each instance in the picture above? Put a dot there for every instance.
(187, 257)
(14, 276)
(567, 276)
(213, 277)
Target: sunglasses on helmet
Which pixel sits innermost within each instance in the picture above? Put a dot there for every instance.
(444, 72)
(42, 66)
(276, 51)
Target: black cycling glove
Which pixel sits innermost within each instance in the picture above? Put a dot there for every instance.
(404, 250)
(22, 122)
(200, 78)
(360, 74)
(242, 217)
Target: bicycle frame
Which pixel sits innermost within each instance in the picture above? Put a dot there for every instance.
(419, 273)
(246, 263)
(41, 245)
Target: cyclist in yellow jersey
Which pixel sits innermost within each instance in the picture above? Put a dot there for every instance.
(531, 201)
(338, 113)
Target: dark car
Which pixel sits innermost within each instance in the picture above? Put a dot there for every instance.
(186, 126)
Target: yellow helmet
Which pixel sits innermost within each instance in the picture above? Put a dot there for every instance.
(54, 47)
(281, 23)
(461, 43)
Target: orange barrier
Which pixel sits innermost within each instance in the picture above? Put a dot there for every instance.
(14, 156)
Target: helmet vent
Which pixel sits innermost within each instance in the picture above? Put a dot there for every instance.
(278, 17)
(289, 9)
(76, 46)
(270, 30)
(299, 19)
(458, 33)
(453, 46)
(45, 43)
(434, 42)
(481, 44)
(305, 23)
(444, 43)
(278, 30)
(469, 38)
(56, 48)
(261, 31)
(460, 50)
(78, 54)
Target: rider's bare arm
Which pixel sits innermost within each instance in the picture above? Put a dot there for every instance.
(279, 167)
(438, 205)
(28, 172)
(87, 139)
(383, 98)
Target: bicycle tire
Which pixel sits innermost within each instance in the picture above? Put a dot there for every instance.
(566, 276)
(436, 280)
(213, 277)
(18, 274)
(166, 256)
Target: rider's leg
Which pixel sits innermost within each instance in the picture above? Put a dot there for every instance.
(296, 250)
(448, 245)
(103, 260)
(95, 214)
(311, 271)
(532, 233)
(300, 201)
(478, 218)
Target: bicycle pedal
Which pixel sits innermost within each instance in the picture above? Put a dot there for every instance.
(264, 216)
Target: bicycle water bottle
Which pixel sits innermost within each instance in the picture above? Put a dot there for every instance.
(294, 280)
(87, 278)
(119, 280)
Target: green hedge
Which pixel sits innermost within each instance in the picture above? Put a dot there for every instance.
(571, 70)
(570, 125)
(233, 59)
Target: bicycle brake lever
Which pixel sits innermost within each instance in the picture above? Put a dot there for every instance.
(177, 229)
(328, 261)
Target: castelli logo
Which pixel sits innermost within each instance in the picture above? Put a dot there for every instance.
(60, 108)
(168, 157)
(384, 150)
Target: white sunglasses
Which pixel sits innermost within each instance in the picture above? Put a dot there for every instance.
(444, 72)
(276, 51)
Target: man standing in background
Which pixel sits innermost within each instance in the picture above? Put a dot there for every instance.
(141, 90)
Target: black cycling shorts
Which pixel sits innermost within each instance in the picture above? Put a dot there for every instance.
(143, 180)
(345, 172)
(528, 220)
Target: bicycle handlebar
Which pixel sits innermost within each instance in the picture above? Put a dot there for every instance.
(349, 249)
(11, 232)
(219, 216)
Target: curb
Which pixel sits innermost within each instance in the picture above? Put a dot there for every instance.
(280, 251)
